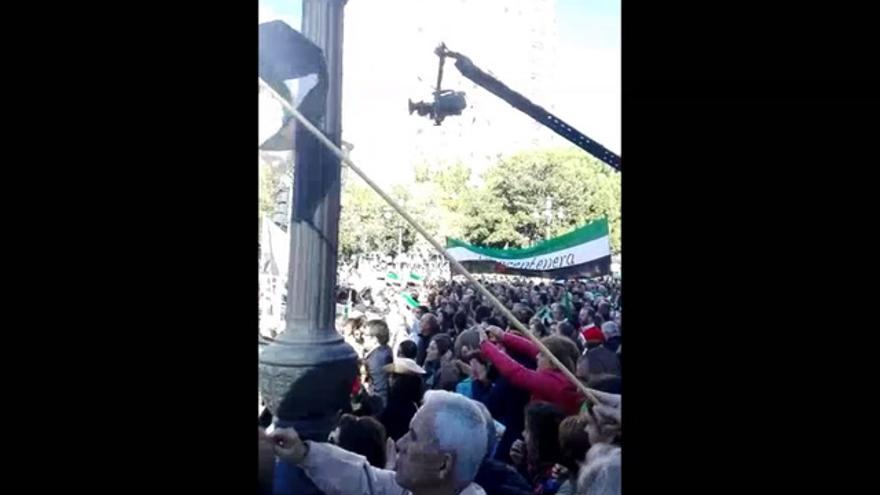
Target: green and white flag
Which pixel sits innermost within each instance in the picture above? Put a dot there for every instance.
(412, 303)
(585, 251)
(567, 304)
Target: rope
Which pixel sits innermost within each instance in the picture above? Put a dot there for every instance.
(343, 157)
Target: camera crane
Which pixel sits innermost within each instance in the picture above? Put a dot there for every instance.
(447, 102)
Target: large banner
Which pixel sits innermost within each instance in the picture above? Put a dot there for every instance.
(582, 252)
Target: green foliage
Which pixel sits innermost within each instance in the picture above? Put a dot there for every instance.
(509, 208)
(273, 167)
(537, 195)
(270, 179)
(446, 192)
(368, 224)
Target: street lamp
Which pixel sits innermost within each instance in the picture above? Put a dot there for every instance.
(306, 374)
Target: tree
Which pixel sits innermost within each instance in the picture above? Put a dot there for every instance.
(272, 168)
(447, 191)
(522, 200)
(536, 195)
(368, 224)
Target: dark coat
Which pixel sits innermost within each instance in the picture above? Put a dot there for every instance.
(603, 360)
(404, 398)
(498, 478)
(423, 344)
(396, 417)
(507, 404)
(613, 343)
(378, 377)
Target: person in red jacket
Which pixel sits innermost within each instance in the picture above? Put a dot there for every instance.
(547, 383)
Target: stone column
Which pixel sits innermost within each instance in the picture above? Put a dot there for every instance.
(307, 373)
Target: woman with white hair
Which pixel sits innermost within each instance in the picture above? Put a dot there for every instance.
(600, 474)
(440, 454)
(612, 335)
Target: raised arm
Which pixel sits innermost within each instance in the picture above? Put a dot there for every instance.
(516, 373)
(519, 345)
(333, 470)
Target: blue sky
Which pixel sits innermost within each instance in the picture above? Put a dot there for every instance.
(591, 23)
(288, 10)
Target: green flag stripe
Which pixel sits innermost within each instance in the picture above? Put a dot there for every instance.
(409, 300)
(591, 231)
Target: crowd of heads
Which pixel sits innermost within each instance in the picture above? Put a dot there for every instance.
(363, 268)
(470, 397)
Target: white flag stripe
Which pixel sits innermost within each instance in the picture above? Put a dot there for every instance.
(575, 255)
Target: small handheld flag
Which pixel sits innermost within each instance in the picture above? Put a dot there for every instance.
(409, 300)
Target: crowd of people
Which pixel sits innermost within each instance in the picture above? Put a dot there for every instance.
(452, 398)
(365, 269)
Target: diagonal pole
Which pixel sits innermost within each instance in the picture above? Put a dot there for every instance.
(343, 157)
